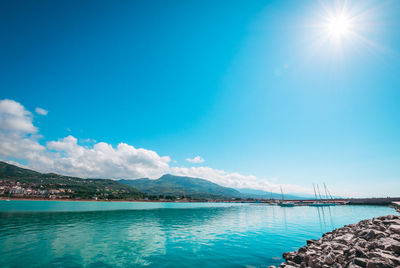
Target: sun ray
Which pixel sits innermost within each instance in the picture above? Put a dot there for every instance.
(344, 28)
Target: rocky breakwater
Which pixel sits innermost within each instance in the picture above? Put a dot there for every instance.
(373, 243)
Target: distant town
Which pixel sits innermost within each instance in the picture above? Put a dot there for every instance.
(10, 189)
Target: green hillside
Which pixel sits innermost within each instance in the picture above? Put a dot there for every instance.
(170, 185)
(28, 183)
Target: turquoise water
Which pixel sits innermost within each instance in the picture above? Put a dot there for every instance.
(122, 234)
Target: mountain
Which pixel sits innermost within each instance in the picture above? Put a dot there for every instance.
(170, 185)
(253, 193)
(28, 183)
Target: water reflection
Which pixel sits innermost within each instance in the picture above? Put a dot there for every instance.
(325, 218)
(220, 237)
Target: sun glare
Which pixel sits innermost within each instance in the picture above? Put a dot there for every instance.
(339, 28)
(339, 25)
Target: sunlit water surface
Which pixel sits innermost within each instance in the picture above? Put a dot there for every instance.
(124, 234)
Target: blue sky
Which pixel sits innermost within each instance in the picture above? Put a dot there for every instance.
(252, 87)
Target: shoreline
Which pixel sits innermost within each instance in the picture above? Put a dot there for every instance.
(371, 243)
(394, 205)
(115, 200)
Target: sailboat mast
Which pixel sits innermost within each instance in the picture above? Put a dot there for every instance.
(326, 192)
(319, 193)
(315, 193)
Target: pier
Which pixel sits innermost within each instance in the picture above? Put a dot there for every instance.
(385, 201)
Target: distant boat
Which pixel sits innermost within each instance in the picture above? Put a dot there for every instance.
(320, 202)
(285, 204)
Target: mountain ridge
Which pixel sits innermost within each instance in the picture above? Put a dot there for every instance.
(180, 185)
(167, 185)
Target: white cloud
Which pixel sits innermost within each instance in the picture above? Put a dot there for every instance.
(41, 111)
(18, 140)
(17, 145)
(102, 160)
(195, 160)
(233, 179)
(17, 132)
(14, 117)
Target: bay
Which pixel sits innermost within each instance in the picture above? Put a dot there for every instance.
(145, 234)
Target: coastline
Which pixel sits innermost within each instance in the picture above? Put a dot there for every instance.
(114, 200)
(394, 205)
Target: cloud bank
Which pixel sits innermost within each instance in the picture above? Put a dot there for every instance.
(19, 140)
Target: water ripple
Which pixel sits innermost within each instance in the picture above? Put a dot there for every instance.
(229, 236)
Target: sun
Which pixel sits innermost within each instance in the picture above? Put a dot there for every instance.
(340, 28)
(339, 25)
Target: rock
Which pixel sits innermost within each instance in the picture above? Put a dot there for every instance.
(315, 247)
(395, 229)
(359, 252)
(345, 239)
(338, 246)
(361, 243)
(387, 243)
(374, 244)
(316, 262)
(340, 259)
(395, 247)
(388, 256)
(371, 233)
(376, 221)
(291, 265)
(392, 221)
(288, 255)
(377, 263)
(352, 265)
(312, 241)
(395, 237)
(351, 253)
(362, 262)
(371, 255)
(327, 249)
(302, 250)
(297, 259)
(330, 258)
